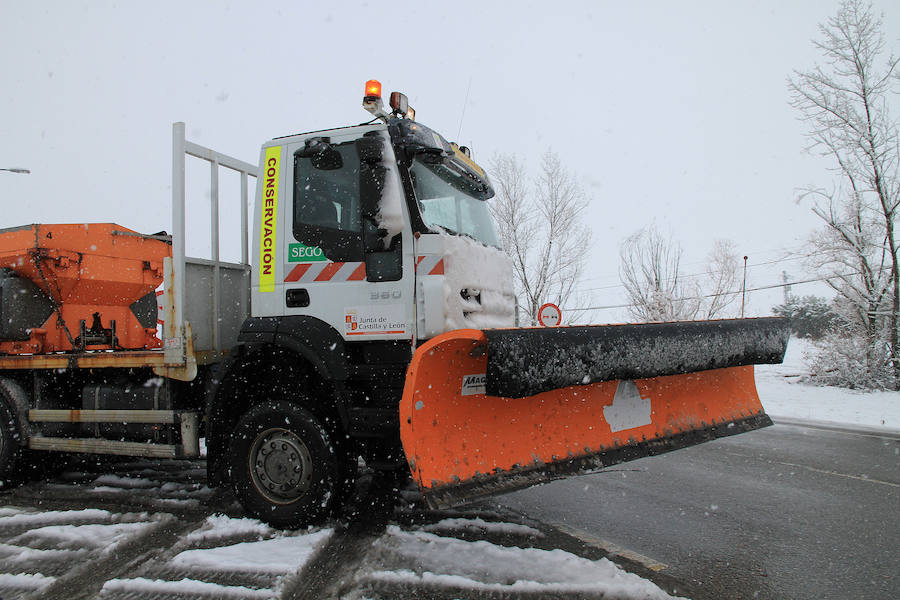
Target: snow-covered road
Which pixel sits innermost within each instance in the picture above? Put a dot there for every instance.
(136, 530)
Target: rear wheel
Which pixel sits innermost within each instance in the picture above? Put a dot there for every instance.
(284, 467)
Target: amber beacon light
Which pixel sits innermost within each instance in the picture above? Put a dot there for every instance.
(373, 89)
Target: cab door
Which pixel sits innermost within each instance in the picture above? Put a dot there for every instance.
(340, 266)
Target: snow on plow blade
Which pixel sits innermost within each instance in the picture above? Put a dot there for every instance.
(486, 412)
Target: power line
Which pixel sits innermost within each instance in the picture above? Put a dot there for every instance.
(758, 252)
(691, 275)
(755, 289)
(790, 250)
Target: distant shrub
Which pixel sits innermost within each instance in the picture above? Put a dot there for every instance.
(811, 316)
(846, 359)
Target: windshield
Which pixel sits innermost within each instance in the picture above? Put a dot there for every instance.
(448, 199)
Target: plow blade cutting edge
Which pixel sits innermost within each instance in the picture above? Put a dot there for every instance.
(486, 412)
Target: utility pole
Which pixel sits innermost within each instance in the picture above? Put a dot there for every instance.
(744, 288)
(787, 287)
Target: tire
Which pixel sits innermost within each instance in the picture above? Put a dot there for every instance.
(11, 450)
(284, 468)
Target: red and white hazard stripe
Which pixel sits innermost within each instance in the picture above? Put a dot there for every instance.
(325, 271)
(160, 306)
(430, 264)
(352, 271)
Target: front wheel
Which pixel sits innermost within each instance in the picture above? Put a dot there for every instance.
(283, 465)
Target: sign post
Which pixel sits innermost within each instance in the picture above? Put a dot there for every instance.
(549, 315)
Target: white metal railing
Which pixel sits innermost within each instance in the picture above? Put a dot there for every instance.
(181, 148)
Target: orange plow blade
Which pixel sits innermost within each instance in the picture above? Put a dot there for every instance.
(463, 444)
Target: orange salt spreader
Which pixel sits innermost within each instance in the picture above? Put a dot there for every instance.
(79, 287)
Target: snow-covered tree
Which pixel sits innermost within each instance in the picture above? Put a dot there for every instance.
(845, 104)
(540, 222)
(811, 316)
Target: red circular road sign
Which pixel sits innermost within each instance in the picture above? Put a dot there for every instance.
(549, 315)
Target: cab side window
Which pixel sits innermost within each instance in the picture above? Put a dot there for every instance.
(326, 199)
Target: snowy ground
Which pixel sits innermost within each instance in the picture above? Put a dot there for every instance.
(139, 530)
(784, 396)
(213, 560)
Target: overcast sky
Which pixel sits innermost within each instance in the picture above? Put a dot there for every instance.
(668, 112)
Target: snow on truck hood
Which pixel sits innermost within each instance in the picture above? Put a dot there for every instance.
(478, 285)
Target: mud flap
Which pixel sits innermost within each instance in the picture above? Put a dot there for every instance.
(463, 444)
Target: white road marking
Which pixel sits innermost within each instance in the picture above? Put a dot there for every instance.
(835, 473)
(845, 429)
(815, 470)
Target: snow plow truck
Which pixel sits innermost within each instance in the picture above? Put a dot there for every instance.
(372, 315)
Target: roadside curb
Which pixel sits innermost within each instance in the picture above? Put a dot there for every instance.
(840, 427)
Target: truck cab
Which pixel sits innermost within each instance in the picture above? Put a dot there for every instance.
(380, 231)
(367, 241)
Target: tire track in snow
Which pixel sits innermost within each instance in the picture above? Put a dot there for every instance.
(334, 567)
(212, 562)
(385, 550)
(86, 580)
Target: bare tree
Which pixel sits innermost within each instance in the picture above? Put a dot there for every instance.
(721, 285)
(540, 224)
(845, 105)
(650, 271)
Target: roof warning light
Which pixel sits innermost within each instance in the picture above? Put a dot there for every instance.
(373, 90)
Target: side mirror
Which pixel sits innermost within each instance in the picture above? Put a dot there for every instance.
(373, 238)
(383, 264)
(371, 187)
(372, 173)
(430, 157)
(370, 149)
(322, 154)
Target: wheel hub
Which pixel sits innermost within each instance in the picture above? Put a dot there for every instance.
(280, 465)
